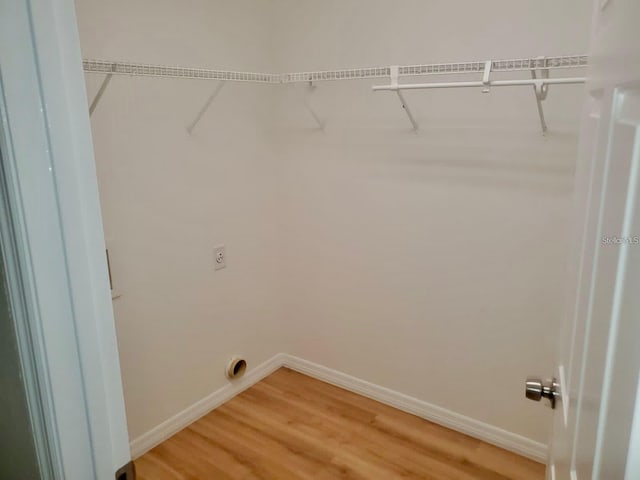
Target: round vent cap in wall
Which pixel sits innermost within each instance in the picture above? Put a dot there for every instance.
(236, 368)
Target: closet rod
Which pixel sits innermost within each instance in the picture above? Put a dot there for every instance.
(492, 83)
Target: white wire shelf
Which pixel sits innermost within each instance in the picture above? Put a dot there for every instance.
(349, 74)
(148, 70)
(535, 66)
(521, 64)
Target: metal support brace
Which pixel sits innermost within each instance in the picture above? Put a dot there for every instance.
(541, 89)
(101, 90)
(395, 75)
(305, 100)
(206, 106)
(486, 80)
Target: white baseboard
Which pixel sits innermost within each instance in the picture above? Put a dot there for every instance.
(469, 426)
(460, 423)
(141, 445)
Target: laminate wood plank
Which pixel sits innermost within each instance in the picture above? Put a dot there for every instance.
(357, 438)
(293, 427)
(390, 422)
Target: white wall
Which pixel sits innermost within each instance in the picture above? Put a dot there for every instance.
(432, 264)
(168, 198)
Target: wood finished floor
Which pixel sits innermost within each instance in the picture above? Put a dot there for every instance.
(290, 426)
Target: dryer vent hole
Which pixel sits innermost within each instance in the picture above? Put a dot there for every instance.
(239, 368)
(236, 368)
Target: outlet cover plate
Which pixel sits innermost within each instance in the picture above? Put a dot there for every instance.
(219, 257)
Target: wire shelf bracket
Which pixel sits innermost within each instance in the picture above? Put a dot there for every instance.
(101, 90)
(306, 96)
(541, 90)
(486, 77)
(206, 106)
(394, 72)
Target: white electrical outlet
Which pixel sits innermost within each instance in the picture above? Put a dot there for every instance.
(219, 257)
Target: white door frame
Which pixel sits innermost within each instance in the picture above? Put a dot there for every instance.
(52, 191)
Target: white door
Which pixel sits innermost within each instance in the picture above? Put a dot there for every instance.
(599, 358)
(53, 246)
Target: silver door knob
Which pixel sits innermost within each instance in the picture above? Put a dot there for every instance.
(536, 390)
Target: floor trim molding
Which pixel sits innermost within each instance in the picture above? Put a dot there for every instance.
(475, 428)
(460, 423)
(145, 442)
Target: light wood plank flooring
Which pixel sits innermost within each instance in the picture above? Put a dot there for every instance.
(290, 426)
